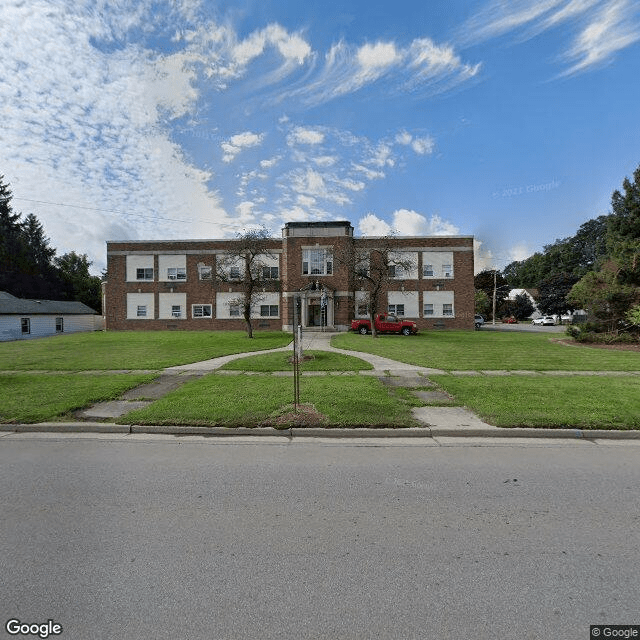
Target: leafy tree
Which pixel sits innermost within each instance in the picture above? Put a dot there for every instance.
(575, 255)
(520, 307)
(552, 294)
(482, 303)
(633, 316)
(78, 283)
(244, 265)
(604, 296)
(493, 284)
(372, 269)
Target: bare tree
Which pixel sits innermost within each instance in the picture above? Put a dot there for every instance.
(249, 266)
(373, 268)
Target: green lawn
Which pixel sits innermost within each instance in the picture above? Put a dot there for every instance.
(115, 350)
(26, 397)
(584, 402)
(490, 350)
(321, 361)
(248, 401)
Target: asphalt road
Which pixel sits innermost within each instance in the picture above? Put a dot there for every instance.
(161, 537)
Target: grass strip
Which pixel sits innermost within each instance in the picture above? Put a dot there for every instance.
(36, 398)
(489, 350)
(320, 361)
(113, 350)
(582, 402)
(219, 400)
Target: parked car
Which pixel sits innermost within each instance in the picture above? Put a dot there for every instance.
(545, 320)
(509, 320)
(385, 323)
(479, 321)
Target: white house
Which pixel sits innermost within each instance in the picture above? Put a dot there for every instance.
(22, 319)
(530, 294)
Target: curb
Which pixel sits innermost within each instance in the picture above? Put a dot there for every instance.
(316, 432)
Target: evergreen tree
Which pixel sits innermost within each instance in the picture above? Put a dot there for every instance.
(12, 250)
(623, 238)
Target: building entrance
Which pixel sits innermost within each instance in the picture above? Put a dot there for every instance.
(317, 315)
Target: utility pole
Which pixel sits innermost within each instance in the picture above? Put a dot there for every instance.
(495, 273)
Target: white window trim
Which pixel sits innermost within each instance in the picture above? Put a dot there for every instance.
(180, 273)
(395, 311)
(205, 272)
(201, 317)
(270, 308)
(146, 276)
(326, 261)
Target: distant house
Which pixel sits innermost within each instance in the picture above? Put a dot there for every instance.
(22, 319)
(531, 294)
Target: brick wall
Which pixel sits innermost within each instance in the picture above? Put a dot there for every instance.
(340, 283)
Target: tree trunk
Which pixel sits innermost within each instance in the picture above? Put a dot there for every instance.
(374, 333)
(247, 319)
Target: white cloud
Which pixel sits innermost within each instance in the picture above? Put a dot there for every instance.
(325, 161)
(238, 142)
(371, 225)
(404, 138)
(612, 29)
(304, 135)
(411, 223)
(270, 162)
(423, 65)
(606, 26)
(94, 120)
(406, 223)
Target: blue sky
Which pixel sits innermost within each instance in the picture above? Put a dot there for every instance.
(512, 121)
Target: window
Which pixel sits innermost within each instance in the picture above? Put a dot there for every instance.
(447, 271)
(234, 273)
(142, 311)
(59, 325)
(427, 271)
(428, 309)
(362, 309)
(317, 262)
(269, 310)
(398, 271)
(201, 311)
(176, 273)
(269, 273)
(234, 310)
(176, 311)
(144, 274)
(204, 273)
(396, 309)
(25, 324)
(447, 309)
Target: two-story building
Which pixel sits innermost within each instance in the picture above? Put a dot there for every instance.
(308, 275)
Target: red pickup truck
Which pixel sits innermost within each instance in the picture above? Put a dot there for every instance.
(385, 323)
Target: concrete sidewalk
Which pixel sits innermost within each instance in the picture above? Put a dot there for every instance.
(435, 421)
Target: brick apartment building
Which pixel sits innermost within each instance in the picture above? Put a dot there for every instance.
(173, 284)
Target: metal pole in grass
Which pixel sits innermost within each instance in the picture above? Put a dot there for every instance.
(296, 354)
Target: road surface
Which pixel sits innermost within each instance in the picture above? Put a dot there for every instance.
(130, 537)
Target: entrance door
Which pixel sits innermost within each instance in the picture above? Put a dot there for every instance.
(315, 315)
